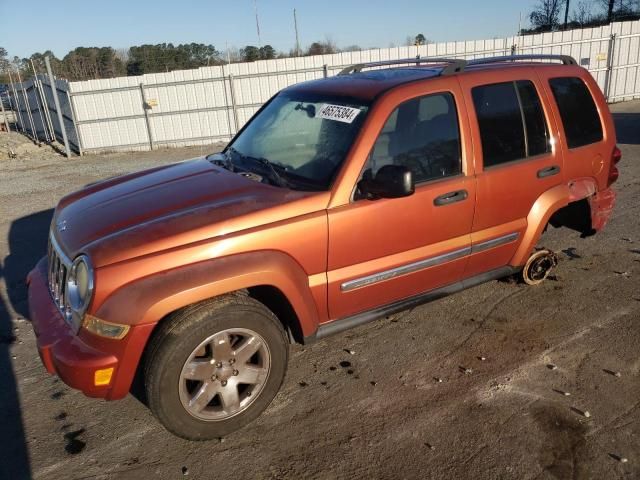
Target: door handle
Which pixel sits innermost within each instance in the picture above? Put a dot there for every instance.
(451, 197)
(548, 171)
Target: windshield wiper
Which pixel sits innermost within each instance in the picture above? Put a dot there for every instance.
(221, 160)
(272, 173)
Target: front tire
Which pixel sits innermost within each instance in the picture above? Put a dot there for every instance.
(214, 367)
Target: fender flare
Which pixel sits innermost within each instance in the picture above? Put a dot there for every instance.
(151, 298)
(543, 208)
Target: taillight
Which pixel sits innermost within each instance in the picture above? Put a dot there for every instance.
(616, 156)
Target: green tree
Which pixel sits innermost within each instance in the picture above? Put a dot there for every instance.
(250, 53)
(420, 39)
(267, 52)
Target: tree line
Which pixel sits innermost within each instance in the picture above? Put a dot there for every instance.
(550, 15)
(88, 63)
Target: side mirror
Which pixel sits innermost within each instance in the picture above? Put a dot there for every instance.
(391, 181)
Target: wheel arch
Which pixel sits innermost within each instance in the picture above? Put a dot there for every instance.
(543, 208)
(153, 298)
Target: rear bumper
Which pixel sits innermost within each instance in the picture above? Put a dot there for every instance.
(76, 357)
(601, 204)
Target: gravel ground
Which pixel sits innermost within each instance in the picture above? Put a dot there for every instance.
(365, 404)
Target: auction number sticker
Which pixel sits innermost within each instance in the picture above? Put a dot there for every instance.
(338, 113)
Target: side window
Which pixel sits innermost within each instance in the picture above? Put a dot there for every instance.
(423, 135)
(511, 121)
(533, 117)
(578, 111)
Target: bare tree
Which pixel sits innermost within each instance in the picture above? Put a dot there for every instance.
(582, 14)
(546, 14)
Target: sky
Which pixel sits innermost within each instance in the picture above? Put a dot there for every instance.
(60, 26)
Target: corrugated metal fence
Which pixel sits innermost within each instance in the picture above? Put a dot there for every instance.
(201, 106)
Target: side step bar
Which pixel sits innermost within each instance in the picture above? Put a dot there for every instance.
(347, 323)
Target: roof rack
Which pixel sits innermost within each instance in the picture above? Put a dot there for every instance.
(453, 65)
(457, 65)
(565, 59)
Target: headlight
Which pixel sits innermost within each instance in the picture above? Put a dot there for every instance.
(80, 285)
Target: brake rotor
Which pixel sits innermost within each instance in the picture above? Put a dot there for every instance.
(539, 266)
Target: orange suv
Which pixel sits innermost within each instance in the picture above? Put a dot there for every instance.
(341, 201)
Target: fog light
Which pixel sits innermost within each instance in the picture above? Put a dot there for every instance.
(102, 377)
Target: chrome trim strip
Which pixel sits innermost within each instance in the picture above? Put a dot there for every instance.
(66, 261)
(404, 269)
(494, 242)
(427, 262)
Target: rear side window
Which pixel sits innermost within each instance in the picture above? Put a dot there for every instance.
(578, 111)
(511, 121)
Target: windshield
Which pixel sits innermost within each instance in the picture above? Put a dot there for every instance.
(305, 136)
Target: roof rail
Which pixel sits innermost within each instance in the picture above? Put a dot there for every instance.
(565, 59)
(453, 65)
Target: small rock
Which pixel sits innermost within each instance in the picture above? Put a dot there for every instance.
(303, 384)
(622, 273)
(617, 374)
(584, 413)
(185, 471)
(373, 383)
(437, 379)
(350, 352)
(222, 440)
(345, 364)
(552, 366)
(482, 359)
(14, 357)
(466, 371)
(627, 239)
(619, 458)
(429, 446)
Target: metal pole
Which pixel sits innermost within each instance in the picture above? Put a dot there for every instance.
(295, 25)
(145, 107)
(56, 101)
(74, 116)
(325, 70)
(34, 136)
(226, 101)
(4, 114)
(255, 6)
(47, 113)
(17, 102)
(609, 72)
(566, 13)
(39, 102)
(233, 103)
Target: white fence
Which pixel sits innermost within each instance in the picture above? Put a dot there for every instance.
(201, 106)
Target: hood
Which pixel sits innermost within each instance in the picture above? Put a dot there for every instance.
(161, 208)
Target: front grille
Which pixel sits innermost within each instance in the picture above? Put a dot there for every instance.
(58, 268)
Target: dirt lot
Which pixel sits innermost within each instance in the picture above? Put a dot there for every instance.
(379, 412)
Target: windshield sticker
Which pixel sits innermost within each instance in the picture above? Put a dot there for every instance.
(338, 113)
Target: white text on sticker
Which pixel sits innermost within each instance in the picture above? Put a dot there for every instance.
(337, 113)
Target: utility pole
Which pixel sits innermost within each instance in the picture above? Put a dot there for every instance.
(255, 7)
(566, 13)
(295, 25)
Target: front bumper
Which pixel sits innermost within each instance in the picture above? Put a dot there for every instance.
(76, 357)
